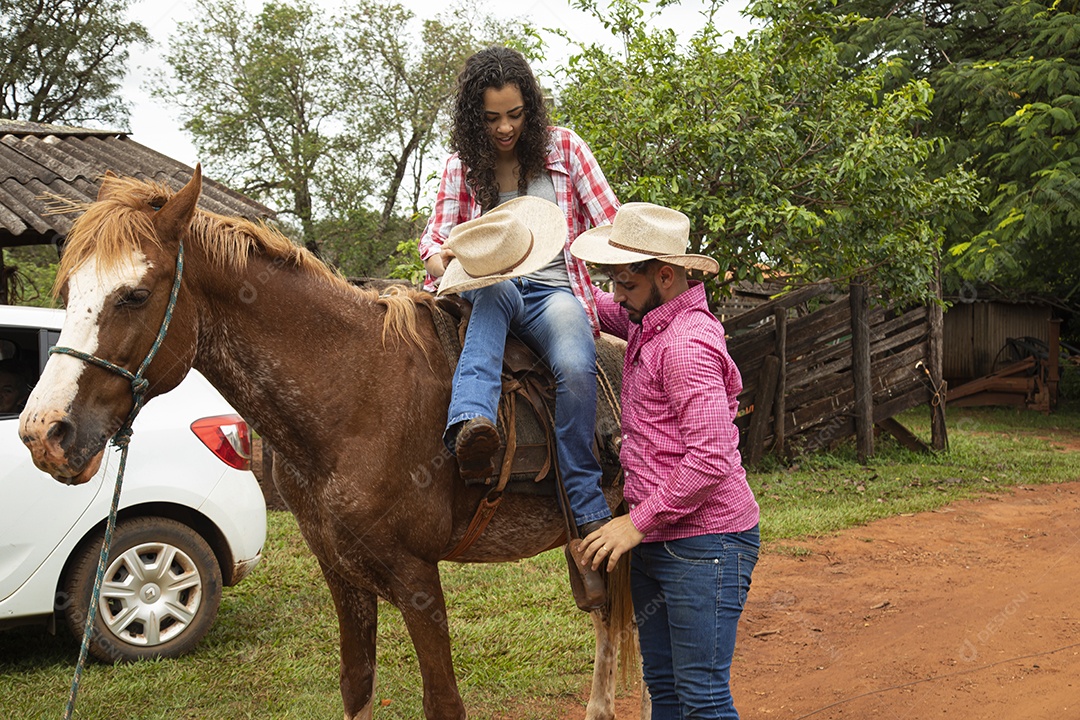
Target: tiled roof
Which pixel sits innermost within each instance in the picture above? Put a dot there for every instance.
(38, 159)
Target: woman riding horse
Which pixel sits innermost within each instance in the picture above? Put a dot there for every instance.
(505, 149)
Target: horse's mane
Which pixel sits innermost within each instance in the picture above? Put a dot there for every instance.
(110, 229)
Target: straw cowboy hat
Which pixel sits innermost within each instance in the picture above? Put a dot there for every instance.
(642, 231)
(516, 238)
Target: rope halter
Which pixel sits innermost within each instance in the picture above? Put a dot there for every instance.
(139, 384)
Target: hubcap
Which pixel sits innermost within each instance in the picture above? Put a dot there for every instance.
(150, 594)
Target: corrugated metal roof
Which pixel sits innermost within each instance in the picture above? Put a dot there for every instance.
(37, 160)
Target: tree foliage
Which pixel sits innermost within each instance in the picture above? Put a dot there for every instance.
(783, 158)
(1007, 81)
(257, 94)
(392, 77)
(61, 61)
(399, 82)
(331, 119)
(28, 273)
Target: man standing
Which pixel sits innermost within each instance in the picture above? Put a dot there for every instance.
(692, 530)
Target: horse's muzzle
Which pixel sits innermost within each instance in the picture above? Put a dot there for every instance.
(55, 445)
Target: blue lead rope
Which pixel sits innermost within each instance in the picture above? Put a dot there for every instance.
(122, 438)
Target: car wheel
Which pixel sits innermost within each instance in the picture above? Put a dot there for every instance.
(159, 595)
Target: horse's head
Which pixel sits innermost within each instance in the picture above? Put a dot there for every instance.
(116, 277)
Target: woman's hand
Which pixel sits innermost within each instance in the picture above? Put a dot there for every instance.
(436, 264)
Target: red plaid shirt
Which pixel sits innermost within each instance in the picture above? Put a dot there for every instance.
(680, 447)
(581, 190)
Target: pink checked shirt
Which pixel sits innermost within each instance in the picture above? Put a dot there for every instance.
(581, 190)
(680, 447)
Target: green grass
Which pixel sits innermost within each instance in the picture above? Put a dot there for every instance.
(989, 449)
(521, 649)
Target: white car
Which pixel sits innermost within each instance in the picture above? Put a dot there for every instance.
(192, 516)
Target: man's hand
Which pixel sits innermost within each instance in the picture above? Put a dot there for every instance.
(610, 543)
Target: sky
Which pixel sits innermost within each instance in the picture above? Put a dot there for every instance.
(156, 125)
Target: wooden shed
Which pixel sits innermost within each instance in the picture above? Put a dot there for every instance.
(39, 160)
(977, 335)
(1002, 352)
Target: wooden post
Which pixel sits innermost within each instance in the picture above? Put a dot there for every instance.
(939, 435)
(266, 481)
(3, 280)
(763, 403)
(779, 407)
(860, 370)
(267, 463)
(1053, 376)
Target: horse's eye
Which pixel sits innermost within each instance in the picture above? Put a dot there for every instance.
(133, 298)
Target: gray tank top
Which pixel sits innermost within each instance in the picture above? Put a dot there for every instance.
(555, 272)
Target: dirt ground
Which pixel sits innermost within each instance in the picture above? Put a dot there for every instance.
(969, 612)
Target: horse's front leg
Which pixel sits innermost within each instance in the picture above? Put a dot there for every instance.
(419, 595)
(358, 621)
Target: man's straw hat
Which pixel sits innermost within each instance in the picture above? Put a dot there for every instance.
(514, 239)
(642, 231)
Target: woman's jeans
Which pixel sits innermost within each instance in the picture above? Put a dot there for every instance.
(688, 596)
(553, 323)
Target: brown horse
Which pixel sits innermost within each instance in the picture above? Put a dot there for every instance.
(349, 387)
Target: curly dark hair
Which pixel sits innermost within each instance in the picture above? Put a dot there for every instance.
(496, 67)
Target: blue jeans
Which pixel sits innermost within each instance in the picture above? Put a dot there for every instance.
(553, 323)
(688, 596)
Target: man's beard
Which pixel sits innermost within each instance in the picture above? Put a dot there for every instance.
(651, 303)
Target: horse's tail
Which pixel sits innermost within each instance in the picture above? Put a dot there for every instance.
(621, 620)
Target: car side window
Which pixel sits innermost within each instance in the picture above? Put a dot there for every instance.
(19, 367)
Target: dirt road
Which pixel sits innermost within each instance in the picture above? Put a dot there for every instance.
(971, 612)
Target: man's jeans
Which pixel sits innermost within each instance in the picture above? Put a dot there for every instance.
(553, 323)
(688, 596)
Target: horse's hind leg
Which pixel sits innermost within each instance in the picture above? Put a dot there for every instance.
(602, 694)
(357, 611)
(420, 599)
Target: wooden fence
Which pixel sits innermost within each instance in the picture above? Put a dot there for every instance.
(819, 365)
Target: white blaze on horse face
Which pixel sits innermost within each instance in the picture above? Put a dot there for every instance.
(88, 291)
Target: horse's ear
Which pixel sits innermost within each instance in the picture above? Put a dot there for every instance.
(175, 215)
(102, 191)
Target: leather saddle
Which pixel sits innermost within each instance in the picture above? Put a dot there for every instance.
(527, 406)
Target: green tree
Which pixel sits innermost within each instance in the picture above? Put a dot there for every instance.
(61, 61)
(333, 120)
(1007, 81)
(28, 273)
(782, 157)
(400, 81)
(257, 95)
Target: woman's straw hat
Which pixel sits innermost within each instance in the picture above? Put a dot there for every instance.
(642, 231)
(516, 238)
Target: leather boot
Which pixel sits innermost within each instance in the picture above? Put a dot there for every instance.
(585, 530)
(474, 446)
(588, 586)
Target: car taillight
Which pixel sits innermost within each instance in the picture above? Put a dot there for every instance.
(228, 437)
